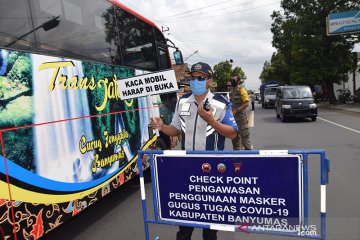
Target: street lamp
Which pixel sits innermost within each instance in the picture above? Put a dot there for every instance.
(191, 55)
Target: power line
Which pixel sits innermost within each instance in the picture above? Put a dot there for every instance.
(193, 10)
(235, 42)
(143, 12)
(226, 29)
(196, 14)
(227, 13)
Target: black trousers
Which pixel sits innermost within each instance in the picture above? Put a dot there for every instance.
(185, 233)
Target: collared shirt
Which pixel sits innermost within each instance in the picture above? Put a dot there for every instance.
(197, 134)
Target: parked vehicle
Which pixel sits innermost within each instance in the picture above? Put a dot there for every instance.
(269, 95)
(295, 101)
(345, 96)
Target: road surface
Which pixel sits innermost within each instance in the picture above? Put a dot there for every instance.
(119, 216)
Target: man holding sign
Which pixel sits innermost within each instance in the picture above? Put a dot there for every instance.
(204, 120)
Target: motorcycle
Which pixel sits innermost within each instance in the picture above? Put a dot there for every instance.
(345, 96)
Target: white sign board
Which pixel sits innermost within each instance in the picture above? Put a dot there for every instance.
(343, 22)
(147, 84)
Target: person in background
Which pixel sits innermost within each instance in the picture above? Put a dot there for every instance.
(206, 119)
(240, 101)
(252, 99)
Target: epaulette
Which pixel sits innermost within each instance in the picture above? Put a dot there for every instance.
(221, 98)
(187, 95)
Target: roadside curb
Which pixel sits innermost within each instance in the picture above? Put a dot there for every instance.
(355, 108)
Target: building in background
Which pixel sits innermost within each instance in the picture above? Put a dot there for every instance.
(350, 83)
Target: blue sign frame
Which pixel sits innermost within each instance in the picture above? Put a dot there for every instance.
(229, 189)
(325, 167)
(343, 22)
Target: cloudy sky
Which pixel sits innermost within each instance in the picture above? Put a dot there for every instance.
(218, 29)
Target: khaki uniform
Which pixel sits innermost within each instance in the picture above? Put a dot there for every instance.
(238, 96)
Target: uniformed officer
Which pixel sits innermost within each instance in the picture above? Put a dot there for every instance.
(204, 120)
(240, 101)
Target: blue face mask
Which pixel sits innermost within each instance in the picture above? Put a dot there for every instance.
(198, 87)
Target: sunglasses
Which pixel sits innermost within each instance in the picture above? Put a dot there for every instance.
(200, 78)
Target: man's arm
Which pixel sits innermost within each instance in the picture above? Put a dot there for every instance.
(169, 130)
(223, 129)
(243, 106)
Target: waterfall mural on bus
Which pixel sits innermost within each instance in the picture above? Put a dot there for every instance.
(66, 139)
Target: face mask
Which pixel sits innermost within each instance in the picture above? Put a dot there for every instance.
(233, 83)
(198, 87)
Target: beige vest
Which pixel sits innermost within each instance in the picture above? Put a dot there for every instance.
(240, 117)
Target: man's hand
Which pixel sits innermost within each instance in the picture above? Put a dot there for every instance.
(206, 115)
(156, 123)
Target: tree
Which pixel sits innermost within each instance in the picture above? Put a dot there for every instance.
(312, 57)
(223, 72)
(239, 72)
(276, 69)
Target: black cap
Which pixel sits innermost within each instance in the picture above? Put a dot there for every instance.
(203, 68)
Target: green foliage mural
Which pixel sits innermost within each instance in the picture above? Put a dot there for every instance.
(96, 97)
(16, 107)
(15, 90)
(21, 71)
(19, 146)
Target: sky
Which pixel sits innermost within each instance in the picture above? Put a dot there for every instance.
(219, 30)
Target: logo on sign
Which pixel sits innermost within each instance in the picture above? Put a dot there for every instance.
(221, 168)
(206, 167)
(244, 228)
(237, 167)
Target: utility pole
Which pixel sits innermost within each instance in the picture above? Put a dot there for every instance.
(354, 74)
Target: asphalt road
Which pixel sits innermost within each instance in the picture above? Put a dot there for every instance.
(119, 216)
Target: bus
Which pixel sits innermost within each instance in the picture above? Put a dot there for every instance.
(67, 139)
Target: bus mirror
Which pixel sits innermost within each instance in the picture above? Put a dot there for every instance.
(53, 23)
(178, 57)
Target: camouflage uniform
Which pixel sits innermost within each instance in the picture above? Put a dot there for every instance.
(238, 96)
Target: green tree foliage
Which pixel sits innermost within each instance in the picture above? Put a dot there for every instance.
(312, 57)
(223, 72)
(237, 71)
(276, 69)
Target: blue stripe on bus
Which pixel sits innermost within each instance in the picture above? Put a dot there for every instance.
(30, 178)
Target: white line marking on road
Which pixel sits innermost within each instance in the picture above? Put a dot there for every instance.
(339, 125)
(251, 119)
